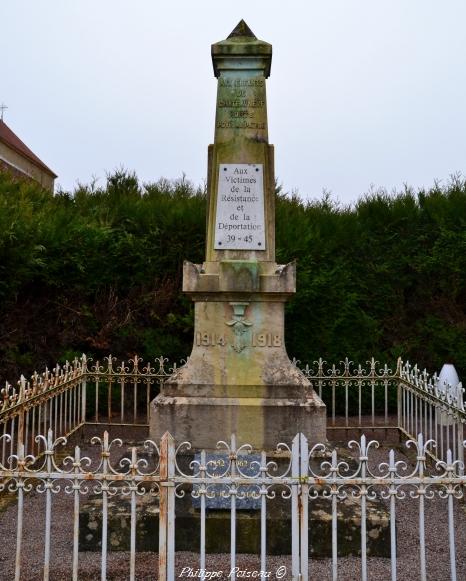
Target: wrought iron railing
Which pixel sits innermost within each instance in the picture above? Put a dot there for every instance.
(355, 394)
(348, 474)
(367, 396)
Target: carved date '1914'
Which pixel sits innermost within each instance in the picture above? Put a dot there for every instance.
(257, 340)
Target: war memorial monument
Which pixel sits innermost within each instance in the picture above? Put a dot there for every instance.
(239, 378)
(178, 498)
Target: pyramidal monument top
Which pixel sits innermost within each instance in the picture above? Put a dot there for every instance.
(241, 30)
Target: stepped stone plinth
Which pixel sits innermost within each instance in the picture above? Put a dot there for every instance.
(248, 522)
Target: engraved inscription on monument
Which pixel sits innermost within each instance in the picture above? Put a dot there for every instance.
(241, 104)
(240, 221)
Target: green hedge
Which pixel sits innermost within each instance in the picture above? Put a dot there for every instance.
(100, 271)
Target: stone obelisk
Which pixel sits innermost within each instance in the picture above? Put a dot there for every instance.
(239, 378)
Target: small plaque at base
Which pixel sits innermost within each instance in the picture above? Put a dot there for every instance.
(218, 497)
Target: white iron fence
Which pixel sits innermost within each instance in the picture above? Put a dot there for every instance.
(302, 476)
(364, 397)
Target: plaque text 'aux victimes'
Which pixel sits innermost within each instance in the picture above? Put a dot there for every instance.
(240, 221)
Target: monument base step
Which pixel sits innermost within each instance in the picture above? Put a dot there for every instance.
(261, 422)
(248, 527)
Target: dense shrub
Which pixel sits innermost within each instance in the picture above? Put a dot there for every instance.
(100, 271)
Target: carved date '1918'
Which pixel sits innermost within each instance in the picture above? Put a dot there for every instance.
(257, 340)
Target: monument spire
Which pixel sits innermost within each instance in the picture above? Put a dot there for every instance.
(241, 208)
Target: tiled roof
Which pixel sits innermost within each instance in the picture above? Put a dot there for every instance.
(12, 140)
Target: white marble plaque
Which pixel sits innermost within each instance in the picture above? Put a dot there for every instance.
(240, 221)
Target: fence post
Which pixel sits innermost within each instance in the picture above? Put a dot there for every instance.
(83, 401)
(399, 393)
(304, 505)
(459, 429)
(459, 443)
(167, 509)
(295, 467)
(21, 398)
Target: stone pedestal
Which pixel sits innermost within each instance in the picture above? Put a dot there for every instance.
(239, 378)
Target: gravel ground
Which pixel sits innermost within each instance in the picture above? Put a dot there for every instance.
(279, 567)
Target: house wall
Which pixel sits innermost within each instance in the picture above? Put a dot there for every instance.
(19, 164)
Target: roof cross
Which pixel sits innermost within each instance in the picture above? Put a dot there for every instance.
(2, 108)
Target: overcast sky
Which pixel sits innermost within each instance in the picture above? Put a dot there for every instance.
(361, 91)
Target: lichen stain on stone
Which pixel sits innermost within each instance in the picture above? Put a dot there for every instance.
(114, 539)
(284, 374)
(321, 515)
(374, 533)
